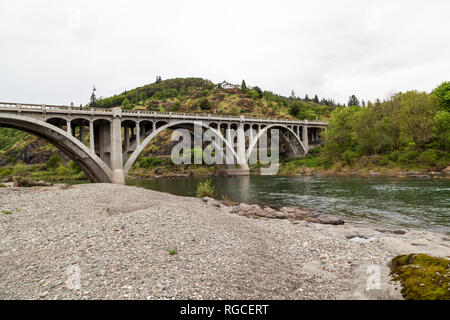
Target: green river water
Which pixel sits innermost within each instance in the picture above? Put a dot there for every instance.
(381, 201)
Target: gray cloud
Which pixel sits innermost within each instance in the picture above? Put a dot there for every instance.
(54, 51)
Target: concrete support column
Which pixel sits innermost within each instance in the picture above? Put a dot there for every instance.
(118, 175)
(91, 136)
(82, 133)
(138, 135)
(69, 128)
(229, 157)
(126, 131)
(243, 166)
(305, 137)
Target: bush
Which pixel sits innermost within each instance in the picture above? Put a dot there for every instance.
(176, 107)
(54, 162)
(73, 166)
(408, 157)
(62, 170)
(205, 189)
(19, 168)
(149, 162)
(204, 104)
(428, 157)
(349, 156)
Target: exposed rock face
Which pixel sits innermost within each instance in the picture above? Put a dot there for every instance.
(24, 182)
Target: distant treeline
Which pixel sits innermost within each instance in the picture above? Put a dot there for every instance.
(410, 128)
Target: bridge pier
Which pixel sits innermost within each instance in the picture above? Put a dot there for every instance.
(118, 174)
(91, 137)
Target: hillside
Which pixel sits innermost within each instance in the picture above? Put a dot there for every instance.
(202, 96)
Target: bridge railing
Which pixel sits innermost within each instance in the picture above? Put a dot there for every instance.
(44, 107)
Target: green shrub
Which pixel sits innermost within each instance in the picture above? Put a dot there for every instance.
(205, 189)
(149, 162)
(176, 107)
(204, 104)
(54, 162)
(428, 157)
(408, 157)
(62, 170)
(73, 166)
(19, 169)
(349, 156)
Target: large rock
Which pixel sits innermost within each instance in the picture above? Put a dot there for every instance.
(24, 182)
(212, 202)
(326, 220)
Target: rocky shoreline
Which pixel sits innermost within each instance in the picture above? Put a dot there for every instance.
(133, 243)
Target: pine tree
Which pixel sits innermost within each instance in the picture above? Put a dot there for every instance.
(306, 98)
(353, 101)
(316, 99)
(293, 94)
(243, 87)
(158, 79)
(93, 102)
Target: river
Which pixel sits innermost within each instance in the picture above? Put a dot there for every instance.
(380, 201)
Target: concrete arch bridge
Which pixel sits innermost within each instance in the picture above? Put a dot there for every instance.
(106, 142)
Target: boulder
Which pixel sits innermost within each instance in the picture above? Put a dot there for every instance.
(243, 207)
(326, 220)
(24, 182)
(212, 202)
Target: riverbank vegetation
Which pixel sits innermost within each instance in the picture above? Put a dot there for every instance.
(410, 131)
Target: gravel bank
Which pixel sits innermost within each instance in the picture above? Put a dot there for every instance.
(119, 238)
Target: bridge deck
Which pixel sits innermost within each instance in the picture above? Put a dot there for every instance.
(42, 108)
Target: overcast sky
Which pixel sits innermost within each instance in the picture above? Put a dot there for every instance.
(54, 51)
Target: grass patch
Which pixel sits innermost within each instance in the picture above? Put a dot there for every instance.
(172, 251)
(205, 189)
(422, 277)
(6, 212)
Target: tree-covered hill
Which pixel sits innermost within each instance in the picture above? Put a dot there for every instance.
(202, 96)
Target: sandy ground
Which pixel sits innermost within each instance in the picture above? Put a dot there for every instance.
(104, 241)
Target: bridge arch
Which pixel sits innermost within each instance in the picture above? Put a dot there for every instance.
(94, 168)
(159, 129)
(264, 129)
